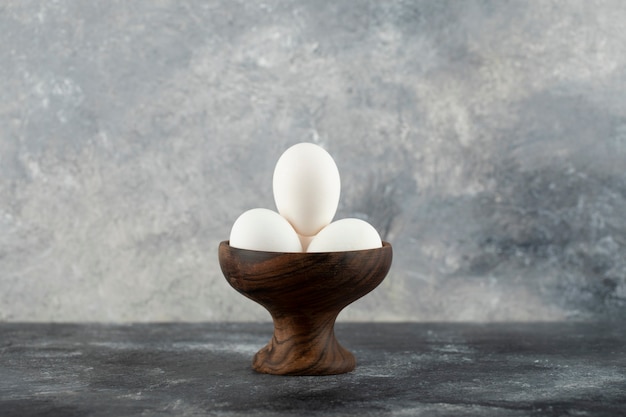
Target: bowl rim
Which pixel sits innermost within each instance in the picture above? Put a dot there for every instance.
(227, 243)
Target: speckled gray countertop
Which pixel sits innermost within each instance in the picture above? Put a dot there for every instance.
(183, 369)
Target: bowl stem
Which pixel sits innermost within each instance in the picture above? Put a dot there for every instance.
(304, 344)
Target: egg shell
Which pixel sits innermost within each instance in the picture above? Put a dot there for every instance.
(346, 235)
(306, 187)
(264, 230)
(304, 241)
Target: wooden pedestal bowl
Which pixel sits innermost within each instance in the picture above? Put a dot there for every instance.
(304, 293)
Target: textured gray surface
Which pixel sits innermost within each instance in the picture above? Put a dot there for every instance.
(485, 139)
(181, 369)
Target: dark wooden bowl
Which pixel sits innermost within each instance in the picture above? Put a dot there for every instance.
(304, 293)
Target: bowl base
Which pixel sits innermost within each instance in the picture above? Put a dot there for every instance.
(304, 347)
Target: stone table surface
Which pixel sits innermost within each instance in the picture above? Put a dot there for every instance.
(404, 369)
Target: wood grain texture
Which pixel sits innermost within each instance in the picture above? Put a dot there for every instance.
(304, 293)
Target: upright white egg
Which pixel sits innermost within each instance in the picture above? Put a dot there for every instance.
(346, 235)
(264, 230)
(304, 241)
(306, 187)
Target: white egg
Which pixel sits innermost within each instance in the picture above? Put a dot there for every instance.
(304, 241)
(306, 187)
(346, 235)
(264, 230)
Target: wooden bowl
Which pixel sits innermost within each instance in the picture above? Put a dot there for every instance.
(304, 293)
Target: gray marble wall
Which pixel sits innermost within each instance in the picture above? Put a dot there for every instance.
(486, 140)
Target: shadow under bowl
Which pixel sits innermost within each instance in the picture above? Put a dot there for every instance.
(304, 293)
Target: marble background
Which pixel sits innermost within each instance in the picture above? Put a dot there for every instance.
(486, 140)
